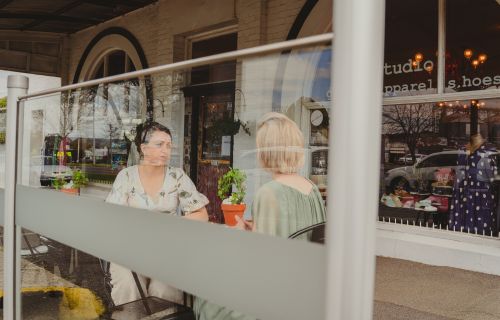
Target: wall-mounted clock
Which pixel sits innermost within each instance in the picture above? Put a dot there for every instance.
(316, 118)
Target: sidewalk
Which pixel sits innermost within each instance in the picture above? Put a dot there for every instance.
(410, 290)
(404, 290)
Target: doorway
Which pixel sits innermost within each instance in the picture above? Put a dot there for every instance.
(210, 110)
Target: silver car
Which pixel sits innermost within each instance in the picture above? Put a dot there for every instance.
(52, 172)
(424, 170)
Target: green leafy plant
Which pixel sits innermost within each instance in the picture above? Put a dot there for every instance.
(236, 178)
(3, 103)
(58, 183)
(79, 179)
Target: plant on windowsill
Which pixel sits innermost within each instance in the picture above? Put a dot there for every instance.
(58, 183)
(231, 190)
(78, 180)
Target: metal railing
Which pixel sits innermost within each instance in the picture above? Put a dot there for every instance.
(104, 230)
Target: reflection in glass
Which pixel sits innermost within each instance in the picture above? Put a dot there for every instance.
(410, 59)
(441, 165)
(162, 143)
(472, 50)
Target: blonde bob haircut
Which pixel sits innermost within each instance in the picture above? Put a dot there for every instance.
(280, 144)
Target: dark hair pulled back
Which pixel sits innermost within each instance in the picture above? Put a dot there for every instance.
(145, 130)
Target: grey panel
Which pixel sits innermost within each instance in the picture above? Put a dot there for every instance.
(2, 205)
(268, 277)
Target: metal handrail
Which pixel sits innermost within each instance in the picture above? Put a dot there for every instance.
(243, 53)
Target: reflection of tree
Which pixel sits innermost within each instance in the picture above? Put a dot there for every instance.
(69, 117)
(112, 132)
(409, 120)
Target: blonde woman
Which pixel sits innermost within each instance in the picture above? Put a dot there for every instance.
(286, 204)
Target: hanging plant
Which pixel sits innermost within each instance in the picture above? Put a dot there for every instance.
(227, 127)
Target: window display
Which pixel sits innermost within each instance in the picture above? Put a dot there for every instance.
(452, 181)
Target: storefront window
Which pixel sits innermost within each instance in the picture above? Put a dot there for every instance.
(410, 62)
(472, 45)
(440, 165)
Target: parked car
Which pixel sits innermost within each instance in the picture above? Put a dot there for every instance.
(407, 159)
(52, 172)
(425, 169)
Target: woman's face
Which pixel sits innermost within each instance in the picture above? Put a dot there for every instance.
(158, 150)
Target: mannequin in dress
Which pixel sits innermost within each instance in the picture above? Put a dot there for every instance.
(473, 206)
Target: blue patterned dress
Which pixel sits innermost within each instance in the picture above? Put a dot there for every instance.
(474, 203)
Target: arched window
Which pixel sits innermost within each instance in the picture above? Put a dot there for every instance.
(113, 63)
(112, 112)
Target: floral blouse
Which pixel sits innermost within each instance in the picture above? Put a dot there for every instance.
(178, 194)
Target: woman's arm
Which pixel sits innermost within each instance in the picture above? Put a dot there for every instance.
(200, 215)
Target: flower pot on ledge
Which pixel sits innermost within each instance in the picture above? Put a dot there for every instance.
(75, 191)
(231, 211)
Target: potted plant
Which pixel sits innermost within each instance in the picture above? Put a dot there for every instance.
(227, 127)
(58, 183)
(78, 180)
(231, 190)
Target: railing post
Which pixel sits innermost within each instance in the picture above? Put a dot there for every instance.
(354, 151)
(16, 86)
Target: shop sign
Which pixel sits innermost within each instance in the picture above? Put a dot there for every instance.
(408, 68)
(464, 82)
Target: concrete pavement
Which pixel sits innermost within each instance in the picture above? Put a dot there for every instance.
(410, 290)
(404, 290)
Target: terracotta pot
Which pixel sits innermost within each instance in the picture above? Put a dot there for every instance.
(231, 211)
(75, 191)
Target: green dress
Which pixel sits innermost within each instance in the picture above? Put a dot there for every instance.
(277, 210)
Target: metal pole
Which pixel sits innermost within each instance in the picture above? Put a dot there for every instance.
(358, 49)
(16, 86)
(93, 132)
(441, 46)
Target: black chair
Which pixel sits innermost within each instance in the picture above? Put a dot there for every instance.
(316, 233)
(145, 305)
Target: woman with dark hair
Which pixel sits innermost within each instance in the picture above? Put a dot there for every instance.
(153, 185)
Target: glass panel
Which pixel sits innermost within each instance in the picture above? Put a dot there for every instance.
(218, 127)
(440, 162)
(472, 46)
(410, 63)
(100, 142)
(3, 123)
(99, 73)
(116, 63)
(61, 282)
(216, 72)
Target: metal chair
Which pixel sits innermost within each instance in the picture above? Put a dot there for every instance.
(150, 305)
(316, 233)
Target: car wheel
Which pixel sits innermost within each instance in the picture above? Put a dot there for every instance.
(400, 183)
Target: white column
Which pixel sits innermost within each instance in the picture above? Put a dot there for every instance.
(16, 86)
(353, 180)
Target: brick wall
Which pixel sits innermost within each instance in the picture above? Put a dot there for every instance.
(163, 30)
(157, 26)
